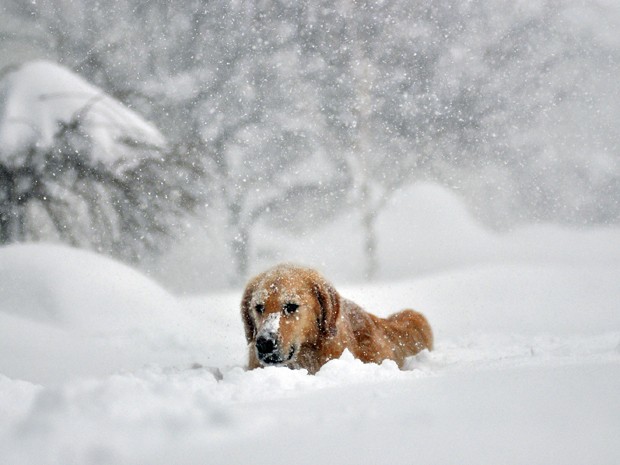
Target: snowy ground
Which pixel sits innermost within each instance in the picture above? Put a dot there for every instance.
(98, 365)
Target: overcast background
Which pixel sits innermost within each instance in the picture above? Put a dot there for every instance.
(294, 130)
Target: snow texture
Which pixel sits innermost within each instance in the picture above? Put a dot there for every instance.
(40, 95)
(99, 365)
(271, 325)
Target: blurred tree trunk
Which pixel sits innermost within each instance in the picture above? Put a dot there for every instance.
(363, 73)
(240, 249)
(5, 227)
(238, 242)
(12, 217)
(369, 217)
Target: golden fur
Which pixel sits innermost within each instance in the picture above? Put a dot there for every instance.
(301, 321)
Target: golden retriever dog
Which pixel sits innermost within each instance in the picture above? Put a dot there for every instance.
(293, 317)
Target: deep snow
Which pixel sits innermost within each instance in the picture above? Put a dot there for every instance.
(100, 365)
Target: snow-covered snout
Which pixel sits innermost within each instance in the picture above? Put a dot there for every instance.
(282, 318)
(281, 327)
(268, 342)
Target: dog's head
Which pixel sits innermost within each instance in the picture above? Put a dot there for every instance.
(286, 308)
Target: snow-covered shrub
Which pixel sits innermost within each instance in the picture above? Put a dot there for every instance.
(78, 166)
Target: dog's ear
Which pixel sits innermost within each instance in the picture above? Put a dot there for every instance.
(329, 302)
(248, 321)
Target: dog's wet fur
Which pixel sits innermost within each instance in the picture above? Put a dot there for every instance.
(293, 317)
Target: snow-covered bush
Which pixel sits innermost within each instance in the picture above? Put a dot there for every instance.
(78, 166)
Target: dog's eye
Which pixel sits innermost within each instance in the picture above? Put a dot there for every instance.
(290, 308)
(260, 308)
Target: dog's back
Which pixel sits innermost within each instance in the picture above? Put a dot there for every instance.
(374, 339)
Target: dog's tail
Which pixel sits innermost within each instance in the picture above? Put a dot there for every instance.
(416, 327)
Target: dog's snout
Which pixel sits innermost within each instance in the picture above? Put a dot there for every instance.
(265, 345)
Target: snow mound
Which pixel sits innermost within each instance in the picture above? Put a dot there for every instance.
(72, 287)
(424, 229)
(38, 96)
(96, 367)
(81, 312)
(428, 228)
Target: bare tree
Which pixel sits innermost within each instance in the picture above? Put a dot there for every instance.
(459, 93)
(380, 94)
(377, 98)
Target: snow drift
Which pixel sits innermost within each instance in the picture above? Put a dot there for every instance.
(100, 365)
(66, 312)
